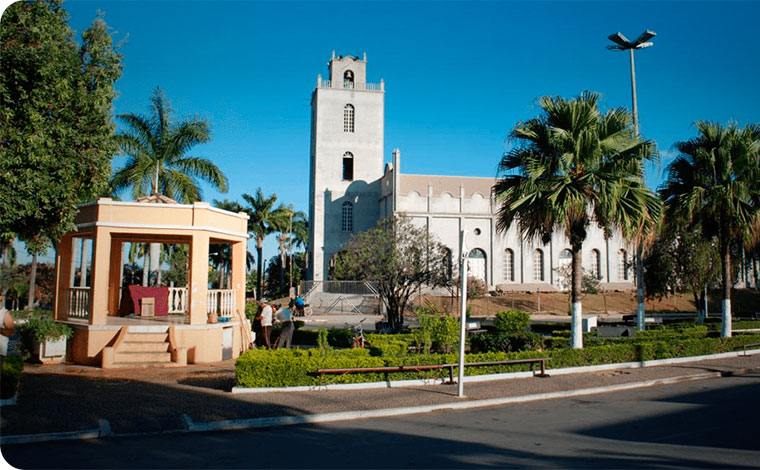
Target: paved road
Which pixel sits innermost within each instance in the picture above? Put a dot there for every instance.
(701, 424)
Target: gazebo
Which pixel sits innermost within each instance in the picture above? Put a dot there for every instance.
(118, 325)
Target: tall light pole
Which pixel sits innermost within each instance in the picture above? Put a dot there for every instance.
(623, 44)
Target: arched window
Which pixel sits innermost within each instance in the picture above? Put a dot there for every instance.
(348, 166)
(348, 118)
(622, 265)
(348, 79)
(476, 264)
(347, 217)
(509, 265)
(596, 264)
(538, 265)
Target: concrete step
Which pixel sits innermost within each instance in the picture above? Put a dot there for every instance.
(143, 346)
(147, 337)
(140, 357)
(143, 365)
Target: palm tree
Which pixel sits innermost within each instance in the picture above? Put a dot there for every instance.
(264, 220)
(574, 165)
(285, 227)
(156, 149)
(713, 183)
(157, 163)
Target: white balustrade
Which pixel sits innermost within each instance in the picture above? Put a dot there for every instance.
(178, 300)
(78, 303)
(349, 85)
(221, 301)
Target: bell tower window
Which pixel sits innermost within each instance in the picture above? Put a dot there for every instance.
(348, 79)
(348, 118)
(348, 166)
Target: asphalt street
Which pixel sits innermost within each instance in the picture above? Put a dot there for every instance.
(698, 424)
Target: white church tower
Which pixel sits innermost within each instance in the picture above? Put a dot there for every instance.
(346, 159)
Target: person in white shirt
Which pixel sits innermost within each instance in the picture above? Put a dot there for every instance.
(265, 316)
(285, 317)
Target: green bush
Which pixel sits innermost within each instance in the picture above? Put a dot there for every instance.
(294, 367)
(251, 310)
(43, 327)
(438, 331)
(11, 376)
(389, 345)
(511, 321)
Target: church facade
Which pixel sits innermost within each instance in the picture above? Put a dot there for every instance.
(351, 190)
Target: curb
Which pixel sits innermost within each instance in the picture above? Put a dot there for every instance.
(278, 421)
(258, 423)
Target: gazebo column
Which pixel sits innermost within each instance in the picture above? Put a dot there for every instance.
(101, 254)
(64, 263)
(198, 281)
(238, 274)
(114, 276)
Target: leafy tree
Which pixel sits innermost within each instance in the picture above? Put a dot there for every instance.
(713, 184)
(272, 276)
(265, 219)
(56, 132)
(575, 164)
(398, 257)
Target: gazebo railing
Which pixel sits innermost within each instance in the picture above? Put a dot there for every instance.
(177, 300)
(221, 301)
(77, 303)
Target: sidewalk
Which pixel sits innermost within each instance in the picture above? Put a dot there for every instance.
(87, 402)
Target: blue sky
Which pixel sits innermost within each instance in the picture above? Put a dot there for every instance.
(458, 75)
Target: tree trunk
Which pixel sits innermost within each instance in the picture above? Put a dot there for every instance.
(146, 272)
(725, 252)
(83, 264)
(32, 283)
(259, 266)
(282, 263)
(640, 307)
(699, 303)
(577, 288)
(155, 261)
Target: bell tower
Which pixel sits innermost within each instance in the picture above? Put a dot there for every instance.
(346, 165)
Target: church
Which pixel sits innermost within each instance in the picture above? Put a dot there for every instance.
(350, 190)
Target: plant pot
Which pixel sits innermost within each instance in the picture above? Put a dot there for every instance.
(51, 350)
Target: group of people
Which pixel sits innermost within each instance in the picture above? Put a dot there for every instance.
(270, 313)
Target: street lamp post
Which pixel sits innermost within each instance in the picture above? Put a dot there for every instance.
(623, 44)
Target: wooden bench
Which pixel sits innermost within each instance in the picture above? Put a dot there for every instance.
(450, 367)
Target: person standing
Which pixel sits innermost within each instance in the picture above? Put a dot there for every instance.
(265, 316)
(284, 316)
(7, 330)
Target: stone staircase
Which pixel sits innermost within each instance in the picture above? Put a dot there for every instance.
(140, 349)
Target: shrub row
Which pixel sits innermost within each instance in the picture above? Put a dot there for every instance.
(282, 368)
(11, 375)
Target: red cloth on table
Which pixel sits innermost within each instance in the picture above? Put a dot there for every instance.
(130, 300)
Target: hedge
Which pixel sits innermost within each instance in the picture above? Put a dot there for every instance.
(285, 367)
(11, 375)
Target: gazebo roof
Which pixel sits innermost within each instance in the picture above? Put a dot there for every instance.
(156, 198)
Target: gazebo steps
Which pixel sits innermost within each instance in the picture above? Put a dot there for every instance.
(136, 357)
(143, 346)
(143, 349)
